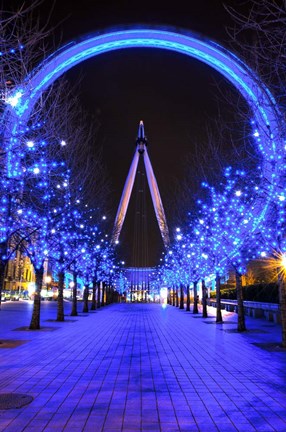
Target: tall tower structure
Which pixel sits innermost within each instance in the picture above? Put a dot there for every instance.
(141, 151)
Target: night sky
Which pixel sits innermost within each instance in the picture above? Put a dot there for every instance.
(176, 97)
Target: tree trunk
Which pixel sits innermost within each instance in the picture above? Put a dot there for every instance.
(112, 295)
(240, 310)
(35, 321)
(85, 299)
(181, 296)
(93, 301)
(177, 296)
(169, 296)
(3, 251)
(98, 295)
(103, 294)
(173, 296)
(218, 299)
(282, 301)
(204, 299)
(188, 308)
(61, 314)
(107, 294)
(74, 295)
(2, 277)
(195, 309)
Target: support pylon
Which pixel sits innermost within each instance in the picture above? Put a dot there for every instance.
(141, 150)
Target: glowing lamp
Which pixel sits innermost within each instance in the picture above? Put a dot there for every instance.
(283, 260)
(14, 100)
(31, 288)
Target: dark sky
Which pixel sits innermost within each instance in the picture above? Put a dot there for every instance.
(175, 96)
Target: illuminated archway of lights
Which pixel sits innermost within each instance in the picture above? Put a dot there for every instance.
(258, 97)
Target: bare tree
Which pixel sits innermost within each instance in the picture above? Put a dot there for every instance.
(23, 43)
(57, 142)
(65, 142)
(258, 34)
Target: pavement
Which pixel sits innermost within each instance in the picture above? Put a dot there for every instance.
(140, 367)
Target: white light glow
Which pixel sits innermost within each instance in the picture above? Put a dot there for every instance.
(14, 100)
(283, 260)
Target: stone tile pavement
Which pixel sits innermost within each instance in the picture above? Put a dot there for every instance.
(140, 367)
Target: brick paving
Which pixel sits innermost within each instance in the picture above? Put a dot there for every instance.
(139, 367)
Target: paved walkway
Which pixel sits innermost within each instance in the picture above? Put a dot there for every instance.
(139, 367)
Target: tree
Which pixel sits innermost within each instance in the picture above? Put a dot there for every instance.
(258, 34)
(235, 226)
(34, 161)
(23, 42)
(186, 262)
(273, 246)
